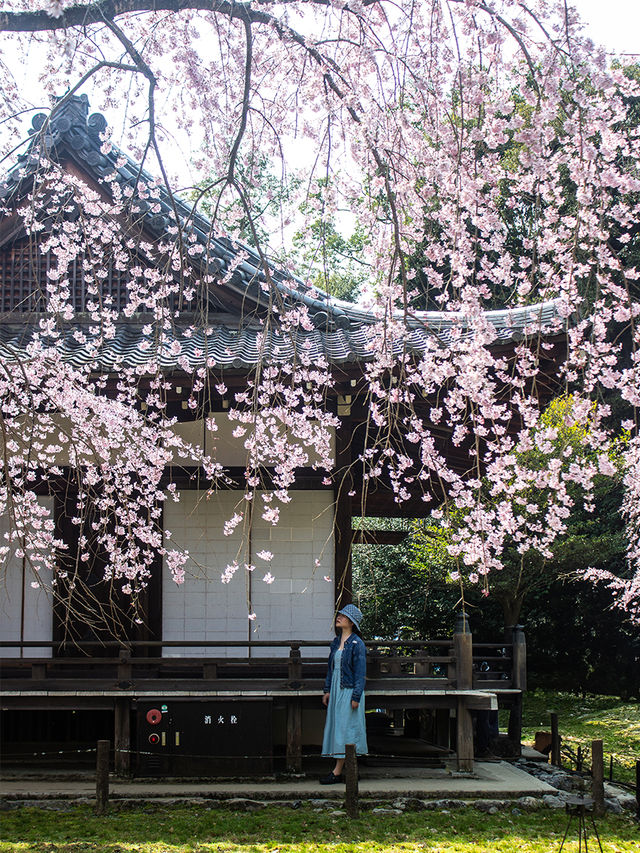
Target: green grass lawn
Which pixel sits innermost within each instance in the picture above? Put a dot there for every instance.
(277, 829)
(582, 720)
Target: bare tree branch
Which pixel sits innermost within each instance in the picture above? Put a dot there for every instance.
(85, 14)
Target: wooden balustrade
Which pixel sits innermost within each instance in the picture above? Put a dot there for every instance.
(449, 675)
(444, 663)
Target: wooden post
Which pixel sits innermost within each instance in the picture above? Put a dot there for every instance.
(463, 651)
(294, 736)
(556, 758)
(351, 780)
(125, 669)
(597, 772)
(209, 671)
(442, 727)
(295, 664)
(638, 791)
(38, 671)
(122, 737)
(102, 776)
(519, 682)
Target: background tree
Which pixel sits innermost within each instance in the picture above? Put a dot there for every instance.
(575, 640)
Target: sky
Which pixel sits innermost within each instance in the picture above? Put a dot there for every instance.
(614, 23)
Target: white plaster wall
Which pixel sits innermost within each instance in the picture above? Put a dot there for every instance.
(18, 597)
(299, 604)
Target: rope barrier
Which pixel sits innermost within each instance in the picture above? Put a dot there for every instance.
(134, 752)
(6, 755)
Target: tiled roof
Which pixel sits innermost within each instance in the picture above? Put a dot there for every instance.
(342, 330)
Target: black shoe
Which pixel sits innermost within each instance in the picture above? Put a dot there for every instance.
(331, 779)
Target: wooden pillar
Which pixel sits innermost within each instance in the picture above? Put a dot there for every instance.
(122, 737)
(343, 519)
(152, 627)
(398, 718)
(464, 736)
(519, 681)
(519, 661)
(463, 651)
(294, 666)
(125, 667)
(294, 736)
(515, 723)
(442, 727)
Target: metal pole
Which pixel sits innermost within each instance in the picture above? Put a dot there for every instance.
(102, 776)
(351, 780)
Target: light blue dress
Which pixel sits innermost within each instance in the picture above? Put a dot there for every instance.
(343, 725)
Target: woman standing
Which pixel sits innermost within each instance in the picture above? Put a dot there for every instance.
(344, 692)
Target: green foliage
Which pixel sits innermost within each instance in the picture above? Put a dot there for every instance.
(575, 639)
(206, 829)
(268, 197)
(394, 595)
(335, 262)
(319, 252)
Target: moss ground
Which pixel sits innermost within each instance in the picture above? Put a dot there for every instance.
(284, 830)
(583, 719)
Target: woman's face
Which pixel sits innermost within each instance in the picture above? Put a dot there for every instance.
(343, 621)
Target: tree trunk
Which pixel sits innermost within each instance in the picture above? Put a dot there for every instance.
(511, 607)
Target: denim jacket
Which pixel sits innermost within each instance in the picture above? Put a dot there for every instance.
(353, 665)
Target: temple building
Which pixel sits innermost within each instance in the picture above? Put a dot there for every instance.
(158, 686)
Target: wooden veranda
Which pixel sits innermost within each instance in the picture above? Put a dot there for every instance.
(448, 677)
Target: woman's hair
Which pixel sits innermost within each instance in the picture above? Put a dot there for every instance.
(354, 627)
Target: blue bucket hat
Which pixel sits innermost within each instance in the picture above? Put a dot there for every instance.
(354, 613)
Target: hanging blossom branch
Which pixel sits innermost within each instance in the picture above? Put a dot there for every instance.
(489, 153)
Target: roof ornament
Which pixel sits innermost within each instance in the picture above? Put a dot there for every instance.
(67, 112)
